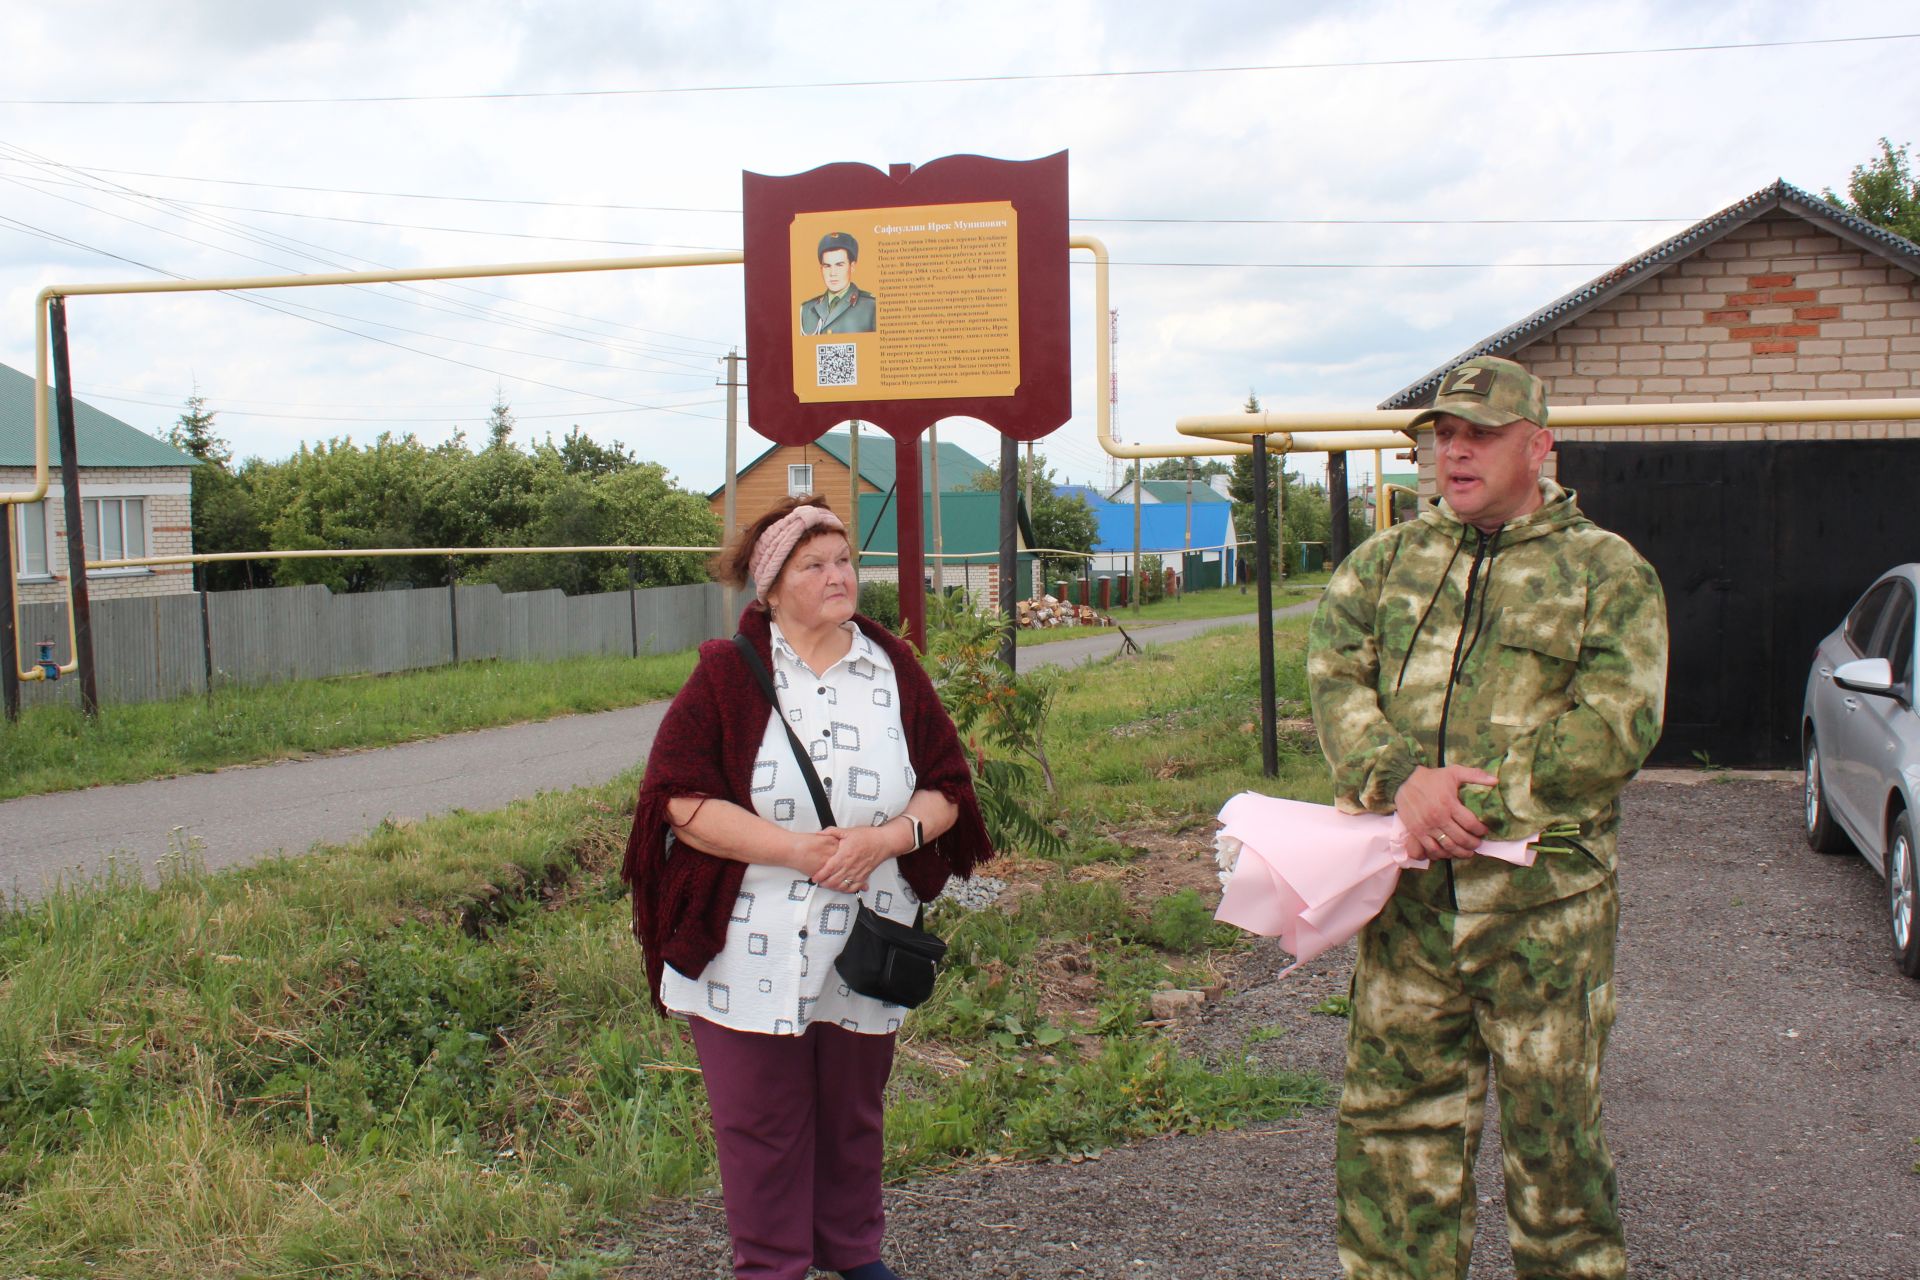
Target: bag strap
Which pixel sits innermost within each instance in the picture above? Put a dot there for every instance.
(807, 770)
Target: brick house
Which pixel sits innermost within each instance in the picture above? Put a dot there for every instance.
(1763, 535)
(823, 467)
(136, 497)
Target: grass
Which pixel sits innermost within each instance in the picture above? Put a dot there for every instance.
(1174, 731)
(430, 1052)
(57, 749)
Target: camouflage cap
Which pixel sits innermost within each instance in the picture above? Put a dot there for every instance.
(1489, 391)
(839, 240)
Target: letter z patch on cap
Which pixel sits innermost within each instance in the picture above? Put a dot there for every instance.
(1468, 382)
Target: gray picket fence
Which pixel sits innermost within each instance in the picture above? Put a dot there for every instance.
(156, 647)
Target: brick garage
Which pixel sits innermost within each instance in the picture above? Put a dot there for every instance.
(1762, 534)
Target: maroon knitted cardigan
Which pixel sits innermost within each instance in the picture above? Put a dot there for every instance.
(706, 747)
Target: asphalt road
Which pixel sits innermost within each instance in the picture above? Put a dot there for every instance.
(241, 814)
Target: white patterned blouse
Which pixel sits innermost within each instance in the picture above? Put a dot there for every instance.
(775, 974)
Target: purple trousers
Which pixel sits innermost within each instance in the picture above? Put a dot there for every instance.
(797, 1123)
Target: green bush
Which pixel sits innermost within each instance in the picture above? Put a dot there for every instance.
(881, 602)
(1153, 580)
(1182, 922)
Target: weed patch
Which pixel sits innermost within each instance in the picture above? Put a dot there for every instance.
(431, 1052)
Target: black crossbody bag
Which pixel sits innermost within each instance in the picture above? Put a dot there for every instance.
(883, 959)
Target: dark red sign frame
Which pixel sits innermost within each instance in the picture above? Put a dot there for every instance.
(1041, 404)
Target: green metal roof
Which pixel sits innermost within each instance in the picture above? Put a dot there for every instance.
(102, 440)
(969, 523)
(1176, 491)
(957, 466)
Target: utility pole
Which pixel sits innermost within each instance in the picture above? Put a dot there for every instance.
(730, 519)
(1009, 547)
(1134, 590)
(933, 480)
(76, 526)
(853, 496)
(9, 642)
(1189, 553)
(1038, 561)
(1339, 536)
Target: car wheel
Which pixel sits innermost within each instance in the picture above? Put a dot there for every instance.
(1903, 897)
(1823, 833)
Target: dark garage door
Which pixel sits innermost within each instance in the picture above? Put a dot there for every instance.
(1761, 547)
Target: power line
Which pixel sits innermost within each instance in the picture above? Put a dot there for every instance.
(518, 416)
(272, 305)
(301, 247)
(225, 404)
(385, 224)
(1379, 222)
(1354, 266)
(648, 208)
(286, 244)
(1005, 78)
(1118, 262)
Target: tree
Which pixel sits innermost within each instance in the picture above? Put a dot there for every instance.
(396, 492)
(341, 496)
(478, 499)
(636, 506)
(581, 455)
(1240, 490)
(1059, 524)
(192, 432)
(500, 423)
(1178, 469)
(1885, 192)
(223, 515)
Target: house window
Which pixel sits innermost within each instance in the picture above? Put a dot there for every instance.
(799, 480)
(116, 528)
(30, 539)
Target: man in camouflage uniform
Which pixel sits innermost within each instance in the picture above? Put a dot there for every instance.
(1497, 669)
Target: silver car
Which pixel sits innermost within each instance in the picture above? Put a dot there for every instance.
(1860, 738)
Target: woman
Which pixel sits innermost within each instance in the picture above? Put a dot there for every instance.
(741, 900)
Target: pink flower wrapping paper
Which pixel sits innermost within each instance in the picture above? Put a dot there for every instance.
(1310, 875)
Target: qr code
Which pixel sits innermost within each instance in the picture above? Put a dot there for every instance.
(837, 364)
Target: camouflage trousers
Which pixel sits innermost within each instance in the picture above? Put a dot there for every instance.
(1437, 995)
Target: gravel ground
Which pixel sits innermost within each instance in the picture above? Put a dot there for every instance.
(1761, 1097)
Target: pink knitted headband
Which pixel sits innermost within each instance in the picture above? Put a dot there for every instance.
(781, 537)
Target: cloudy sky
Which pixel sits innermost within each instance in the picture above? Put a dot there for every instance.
(1316, 201)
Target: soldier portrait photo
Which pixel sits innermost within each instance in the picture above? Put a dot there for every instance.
(843, 306)
(1494, 669)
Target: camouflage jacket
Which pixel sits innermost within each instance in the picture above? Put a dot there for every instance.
(1551, 677)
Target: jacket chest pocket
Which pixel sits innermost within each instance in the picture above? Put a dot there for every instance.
(1536, 655)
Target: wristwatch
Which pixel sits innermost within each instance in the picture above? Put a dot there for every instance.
(919, 837)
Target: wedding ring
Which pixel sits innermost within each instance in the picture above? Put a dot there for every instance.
(1441, 836)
